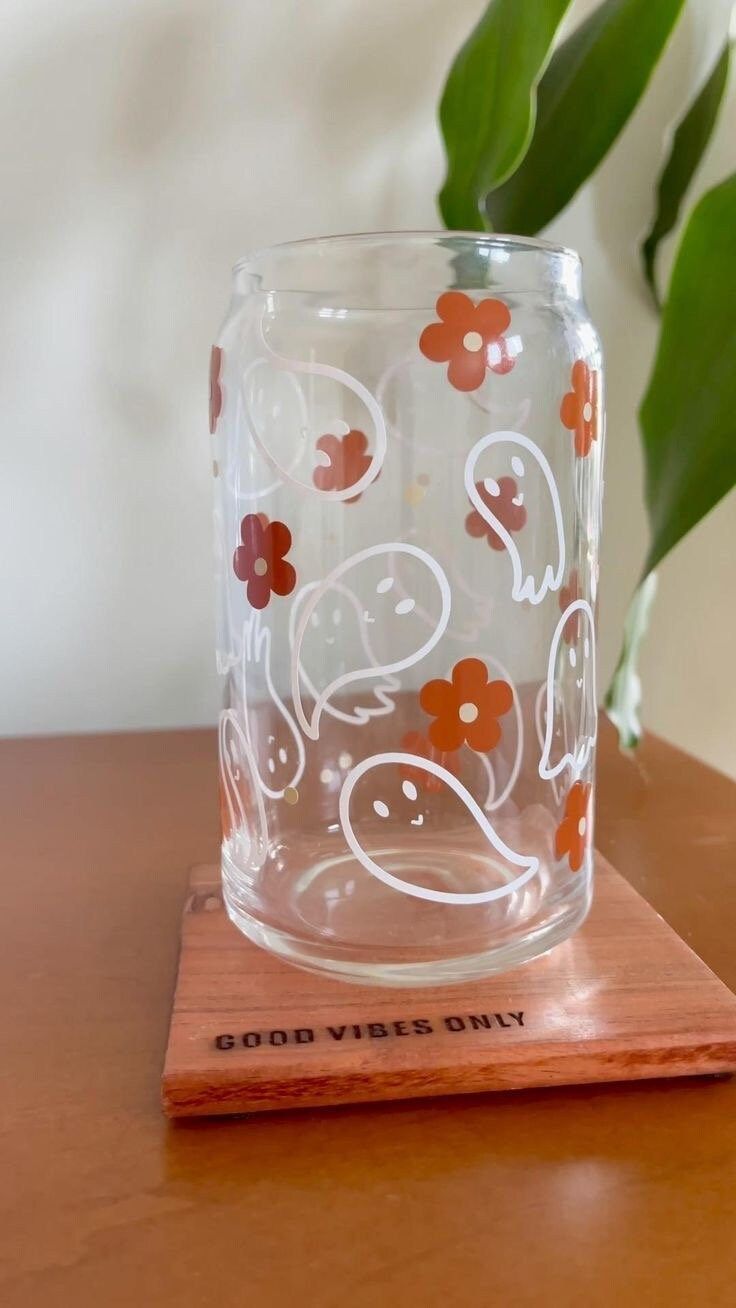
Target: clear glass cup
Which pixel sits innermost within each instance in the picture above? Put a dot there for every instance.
(407, 439)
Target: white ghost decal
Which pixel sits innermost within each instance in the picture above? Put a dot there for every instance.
(528, 864)
(366, 580)
(471, 610)
(283, 748)
(274, 405)
(540, 726)
(264, 378)
(571, 707)
(241, 792)
(338, 619)
(519, 455)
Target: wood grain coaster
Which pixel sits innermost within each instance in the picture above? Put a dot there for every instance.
(624, 999)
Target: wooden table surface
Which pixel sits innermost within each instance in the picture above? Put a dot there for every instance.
(590, 1196)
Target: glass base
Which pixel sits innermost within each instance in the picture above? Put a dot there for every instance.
(336, 920)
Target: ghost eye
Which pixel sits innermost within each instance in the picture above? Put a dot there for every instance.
(384, 585)
(336, 617)
(573, 658)
(315, 619)
(282, 755)
(409, 789)
(491, 486)
(380, 809)
(517, 466)
(586, 647)
(404, 606)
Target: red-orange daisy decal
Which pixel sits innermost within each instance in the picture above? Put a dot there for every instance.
(349, 460)
(501, 497)
(572, 834)
(568, 595)
(415, 743)
(579, 408)
(467, 708)
(215, 387)
(260, 561)
(469, 338)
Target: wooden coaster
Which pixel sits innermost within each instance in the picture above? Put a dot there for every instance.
(625, 998)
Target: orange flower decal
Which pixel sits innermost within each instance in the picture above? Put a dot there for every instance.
(571, 837)
(501, 499)
(579, 408)
(469, 338)
(215, 387)
(415, 743)
(260, 561)
(568, 595)
(466, 710)
(349, 460)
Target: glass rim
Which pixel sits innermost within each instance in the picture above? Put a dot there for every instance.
(504, 240)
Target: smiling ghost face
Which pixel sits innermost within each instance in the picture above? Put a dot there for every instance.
(571, 708)
(390, 822)
(360, 625)
(511, 488)
(577, 676)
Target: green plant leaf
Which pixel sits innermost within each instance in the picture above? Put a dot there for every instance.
(688, 144)
(592, 84)
(488, 104)
(688, 415)
(624, 694)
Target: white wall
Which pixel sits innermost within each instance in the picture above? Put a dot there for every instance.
(150, 143)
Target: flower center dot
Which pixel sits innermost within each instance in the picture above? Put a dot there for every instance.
(473, 341)
(468, 712)
(582, 827)
(260, 567)
(587, 411)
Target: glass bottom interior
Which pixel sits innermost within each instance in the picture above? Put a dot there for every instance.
(327, 914)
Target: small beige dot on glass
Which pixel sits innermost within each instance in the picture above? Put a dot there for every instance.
(423, 479)
(291, 795)
(326, 776)
(468, 712)
(414, 494)
(587, 411)
(345, 760)
(260, 567)
(215, 468)
(473, 341)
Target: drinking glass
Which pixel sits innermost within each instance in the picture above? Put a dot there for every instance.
(407, 439)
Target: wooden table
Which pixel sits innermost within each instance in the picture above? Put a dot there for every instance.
(618, 1194)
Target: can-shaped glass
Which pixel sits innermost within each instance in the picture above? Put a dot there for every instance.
(407, 441)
